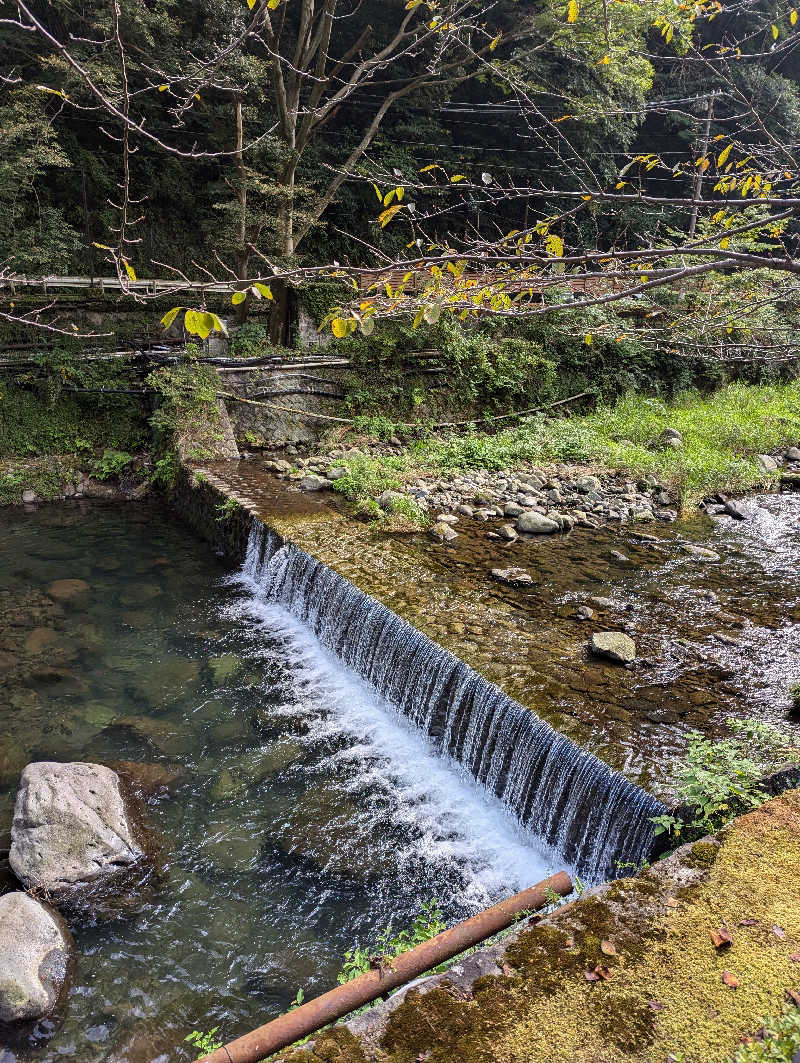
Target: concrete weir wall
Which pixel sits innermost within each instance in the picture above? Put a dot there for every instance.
(213, 513)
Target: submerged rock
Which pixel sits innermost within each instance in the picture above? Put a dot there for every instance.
(614, 645)
(702, 553)
(516, 577)
(36, 956)
(72, 830)
(68, 590)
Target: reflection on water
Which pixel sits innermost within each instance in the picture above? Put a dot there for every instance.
(299, 814)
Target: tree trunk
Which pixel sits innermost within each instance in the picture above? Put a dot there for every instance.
(282, 313)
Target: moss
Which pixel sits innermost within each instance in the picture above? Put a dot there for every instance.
(703, 854)
(337, 1045)
(624, 1019)
(665, 995)
(426, 1022)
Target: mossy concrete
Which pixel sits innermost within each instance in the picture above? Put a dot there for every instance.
(656, 990)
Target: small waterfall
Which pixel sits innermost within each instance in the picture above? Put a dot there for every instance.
(589, 815)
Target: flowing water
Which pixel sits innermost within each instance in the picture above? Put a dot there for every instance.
(325, 766)
(306, 812)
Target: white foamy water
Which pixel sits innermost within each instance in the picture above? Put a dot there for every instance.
(439, 816)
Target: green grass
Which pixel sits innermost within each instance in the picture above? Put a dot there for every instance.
(722, 435)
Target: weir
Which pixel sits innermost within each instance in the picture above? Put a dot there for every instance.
(591, 817)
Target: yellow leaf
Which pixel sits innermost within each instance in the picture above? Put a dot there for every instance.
(238, 297)
(494, 42)
(386, 216)
(399, 192)
(587, 339)
(170, 316)
(775, 32)
(162, 88)
(262, 290)
(723, 155)
(572, 11)
(339, 327)
(129, 269)
(272, 4)
(724, 243)
(643, 278)
(793, 16)
(554, 245)
(456, 178)
(387, 199)
(418, 317)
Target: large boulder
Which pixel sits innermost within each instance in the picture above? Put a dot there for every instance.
(74, 835)
(36, 956)
(613, 645)
(533, 523)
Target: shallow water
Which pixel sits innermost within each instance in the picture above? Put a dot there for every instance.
(305, 816)
(715, 638)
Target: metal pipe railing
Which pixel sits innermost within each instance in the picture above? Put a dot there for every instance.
(310, 1017)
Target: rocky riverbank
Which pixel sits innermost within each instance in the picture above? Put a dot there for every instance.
(528, 500)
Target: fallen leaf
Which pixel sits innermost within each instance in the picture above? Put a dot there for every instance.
(793, 997)
(590, 976)
(654, 1005)
(730, 979)
(672, 902)
(569, 943)
(779, 932)
(748, 922)
(721, 938)
(795, 957)
(603, 972)
(607, 948)
(507, 970)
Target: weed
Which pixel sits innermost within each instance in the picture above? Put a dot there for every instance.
(427, 923)
(721, 778)
(204, 1042)
(226, 509)
(794, 693)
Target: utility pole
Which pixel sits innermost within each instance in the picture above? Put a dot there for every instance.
(697, 191)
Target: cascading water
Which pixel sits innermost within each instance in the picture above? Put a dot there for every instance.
(589, 815)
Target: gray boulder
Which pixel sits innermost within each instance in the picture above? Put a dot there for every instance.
(614, 645)
(534, 523)
(36, 956)
(314, 483)
(72, 831)
(442, 532)
(792, 454)
(766, 463)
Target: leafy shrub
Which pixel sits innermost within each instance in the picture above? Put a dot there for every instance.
(112, 463)
(368, 477)
(777, 1041)
(204, 1042)
(721, 778)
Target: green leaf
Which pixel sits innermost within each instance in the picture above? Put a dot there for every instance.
(238, 297)
(368, 325)
(260, 291)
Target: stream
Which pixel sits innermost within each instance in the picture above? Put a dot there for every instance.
(300, 812)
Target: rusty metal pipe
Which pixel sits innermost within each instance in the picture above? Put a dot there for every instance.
(288, 1028)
